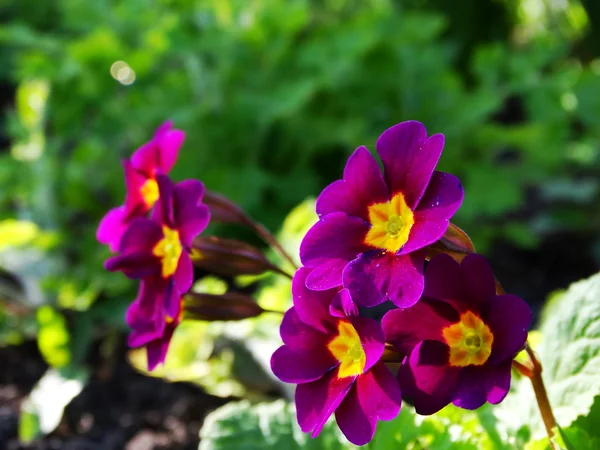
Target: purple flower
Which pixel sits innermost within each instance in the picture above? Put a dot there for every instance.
(155, 157)
(460, 338)
(334, 357)
(160, 246)
(152, 324)
(372, 227)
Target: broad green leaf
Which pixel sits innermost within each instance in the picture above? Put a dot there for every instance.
(451, 428)
(590, 423)
(264, 426)
(575, 438)
(570, 355)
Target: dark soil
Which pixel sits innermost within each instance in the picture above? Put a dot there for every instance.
(118, 409)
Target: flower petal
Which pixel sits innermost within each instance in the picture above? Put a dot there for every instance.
(316, 401)
(427, 379)
(405, 328)
(375, 276)
(478, 278)
(145, 158)
(478, 384)
(191, 216)
(184, 274)
(298, 334)
(362, 186)
(163, 211)
(312, 307)
(145, 316)
(168, 143)
(111, 228)
(374, 396)
(326, 276)
(409, 159)
(342, 305)
(156, 351)
(141, 236)
(443, 197)
(444, 281)
(302, 365)
(135, 265)
(135, 205)
(498, 382)
(332, 242)
(371, 339)
(508, 317)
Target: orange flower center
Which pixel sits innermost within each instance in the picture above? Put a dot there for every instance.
(168, 250)
(347, 349)
(390, 224)
(470, 341)
(149, 192)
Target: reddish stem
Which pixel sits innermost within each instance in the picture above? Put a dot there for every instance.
(541, 395)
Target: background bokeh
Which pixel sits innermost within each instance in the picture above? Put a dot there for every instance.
(273, 96)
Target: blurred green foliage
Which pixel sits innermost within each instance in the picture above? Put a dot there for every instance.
(273, 96)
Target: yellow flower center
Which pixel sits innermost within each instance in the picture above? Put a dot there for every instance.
(149, 192)
(390, 224)
(347, 349)
(168, 249)
(470, 341)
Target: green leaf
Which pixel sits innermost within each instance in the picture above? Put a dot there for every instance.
(451, 428)
(262, 427)
(14, 233)
(570, 357)
(570, 350)
(53, 337)
(575, 438)
(589, 423)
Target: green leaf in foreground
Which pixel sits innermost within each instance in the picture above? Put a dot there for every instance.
(263, 426)
(273, 426)
(570, 356)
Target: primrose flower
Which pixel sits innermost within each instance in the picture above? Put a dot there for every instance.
(460, 338)
(160, 246)
(153, 317)
(155, 157)
(334, 357)
(372, 228)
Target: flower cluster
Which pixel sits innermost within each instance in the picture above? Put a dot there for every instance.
(152, 233)
(451, 333)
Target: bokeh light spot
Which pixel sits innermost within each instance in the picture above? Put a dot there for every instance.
(121, 72)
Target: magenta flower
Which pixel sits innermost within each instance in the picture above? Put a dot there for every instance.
(460, 338)
(152, 324)
(334, 357)
(160, 246)
(155, 157)
(372, 228)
